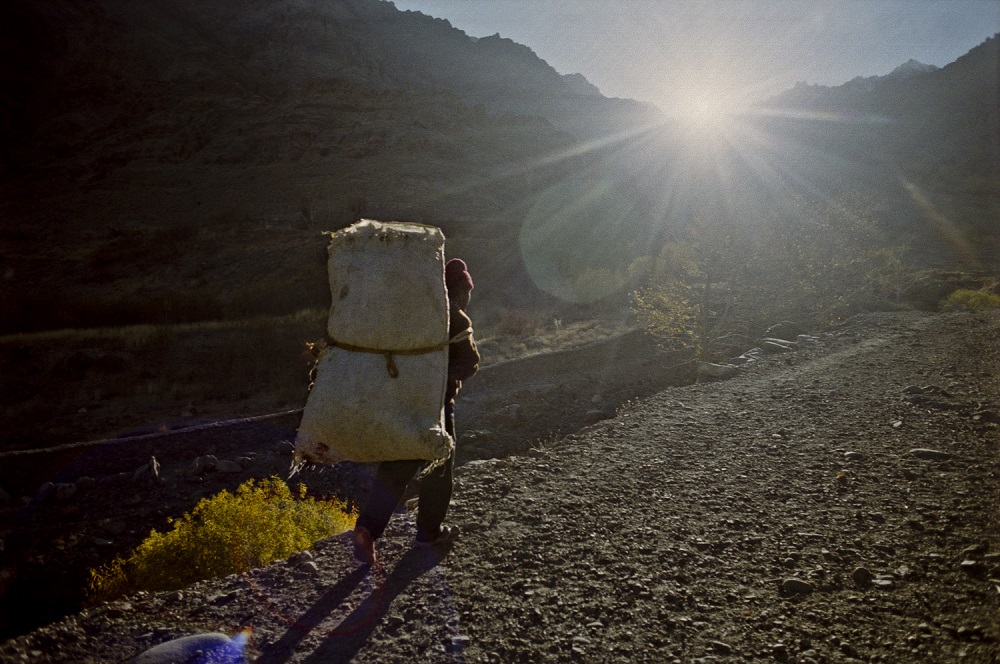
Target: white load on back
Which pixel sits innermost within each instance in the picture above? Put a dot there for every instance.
(379, 389)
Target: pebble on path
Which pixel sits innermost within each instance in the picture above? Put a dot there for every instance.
(795, 586)
(862, 577)
(929, 455)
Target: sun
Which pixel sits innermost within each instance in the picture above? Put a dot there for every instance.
(701, 113)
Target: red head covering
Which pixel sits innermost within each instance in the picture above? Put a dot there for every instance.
(456, 272)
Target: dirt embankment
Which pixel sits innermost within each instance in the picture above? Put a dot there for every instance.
(833, 504)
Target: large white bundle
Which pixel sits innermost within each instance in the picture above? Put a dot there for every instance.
(357, 412)
(387, 283)
(379, 391)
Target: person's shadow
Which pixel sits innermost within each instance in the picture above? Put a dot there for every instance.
(344, 641)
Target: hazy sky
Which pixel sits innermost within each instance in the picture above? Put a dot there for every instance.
(725, 52)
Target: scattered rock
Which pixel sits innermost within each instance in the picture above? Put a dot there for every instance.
(796, 586)
(973, 568)
(309, 568)
(929, 455)
(149, 470)
(458, 643)
(64, 491)
(883, 581)
(772, 346)
(227, 466)
(45, 492)
(300, 557)
(224, 598)
(987, 416)
(862, 577)
(784, 330)
(194, 469)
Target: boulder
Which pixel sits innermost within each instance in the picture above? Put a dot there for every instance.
(929, 455)
(795, 586)
(928, 288)
(786, 330)
(64, 490)
(774, 346)
(227, 466)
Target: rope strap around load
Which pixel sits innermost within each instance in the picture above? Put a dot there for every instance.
(390, 363)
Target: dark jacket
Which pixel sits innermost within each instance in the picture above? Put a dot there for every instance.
(463, 357)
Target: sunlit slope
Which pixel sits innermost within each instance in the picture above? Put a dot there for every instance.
(930, 140)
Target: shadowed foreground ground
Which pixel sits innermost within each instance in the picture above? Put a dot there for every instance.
(834, 504)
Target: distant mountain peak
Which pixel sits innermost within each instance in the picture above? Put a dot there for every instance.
(910, 68)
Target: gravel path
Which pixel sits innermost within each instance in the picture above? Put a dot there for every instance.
(834, 504)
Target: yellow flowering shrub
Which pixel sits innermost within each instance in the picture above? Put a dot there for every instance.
(225, 534)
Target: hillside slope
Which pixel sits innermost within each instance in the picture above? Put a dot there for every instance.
(176, 162)
(931, 135)
(153, 153)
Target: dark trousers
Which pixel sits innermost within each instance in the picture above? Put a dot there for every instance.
(391, 479)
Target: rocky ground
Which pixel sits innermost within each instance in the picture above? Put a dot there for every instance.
(834, 503)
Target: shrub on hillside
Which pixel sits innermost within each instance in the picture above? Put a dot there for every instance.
(972, 299)
(228, 533)
(666, 312)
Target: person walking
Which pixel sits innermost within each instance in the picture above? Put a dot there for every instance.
(392, 477)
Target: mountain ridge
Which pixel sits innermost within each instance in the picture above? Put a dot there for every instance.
(197, 121)
(260, 49)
